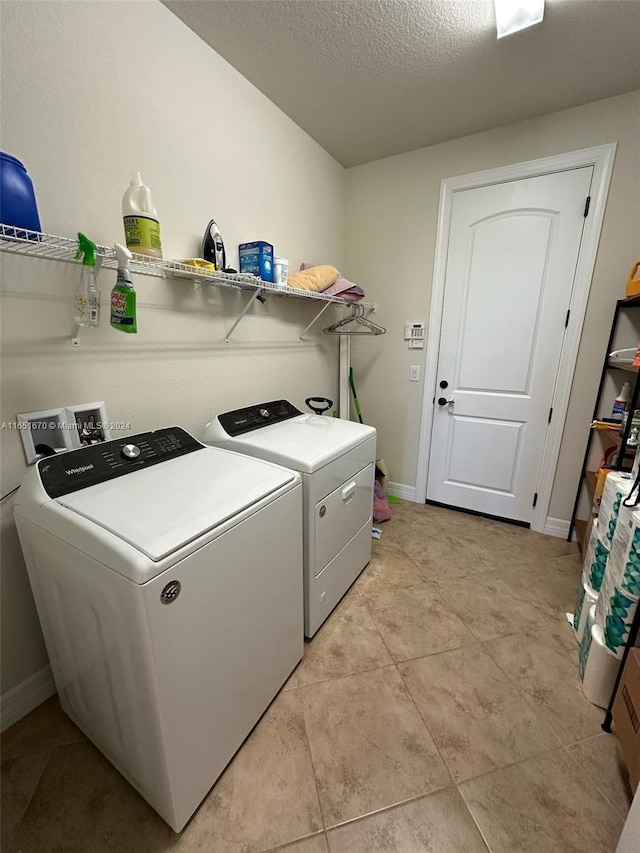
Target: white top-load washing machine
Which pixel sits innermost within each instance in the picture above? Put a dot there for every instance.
(168, 581)
(337, 461)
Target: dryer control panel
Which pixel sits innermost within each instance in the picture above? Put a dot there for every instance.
(254, 417)
(78, 469)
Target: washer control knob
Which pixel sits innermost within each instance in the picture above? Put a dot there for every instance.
(131, 451)
(264, 413)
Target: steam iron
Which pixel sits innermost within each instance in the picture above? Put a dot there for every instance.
(213, 247)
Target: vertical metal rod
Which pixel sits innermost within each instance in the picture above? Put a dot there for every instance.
(254, 296)
(317, 317)
(344, 400)
(585, 460)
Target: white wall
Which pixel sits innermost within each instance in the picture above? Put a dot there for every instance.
(391, 215)
(91, 92)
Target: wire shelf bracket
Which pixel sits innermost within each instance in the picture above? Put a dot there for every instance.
(317, 317)
(258, 295)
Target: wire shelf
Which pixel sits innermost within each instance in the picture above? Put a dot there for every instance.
(20, 241)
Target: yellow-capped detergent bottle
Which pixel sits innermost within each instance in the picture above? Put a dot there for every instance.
(141, 225)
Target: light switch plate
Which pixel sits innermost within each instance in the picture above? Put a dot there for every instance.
(414, 373)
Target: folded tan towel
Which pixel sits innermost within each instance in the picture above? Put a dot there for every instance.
(315, 279)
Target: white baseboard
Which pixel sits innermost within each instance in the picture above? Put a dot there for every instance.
(17, 702)
(399, 490)
(556, 527)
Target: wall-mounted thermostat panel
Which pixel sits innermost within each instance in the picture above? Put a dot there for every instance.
(62, 429)
(415, 334)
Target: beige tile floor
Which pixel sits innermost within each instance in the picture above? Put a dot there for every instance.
(438, 709)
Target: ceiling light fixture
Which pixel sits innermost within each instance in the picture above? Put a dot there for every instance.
(515, 15)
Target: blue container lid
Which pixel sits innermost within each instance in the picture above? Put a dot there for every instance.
(12, 159)
(18, 206)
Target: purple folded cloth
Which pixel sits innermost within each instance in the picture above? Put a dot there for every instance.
(343, 288)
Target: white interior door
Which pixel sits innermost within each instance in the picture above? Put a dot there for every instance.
(510, 269)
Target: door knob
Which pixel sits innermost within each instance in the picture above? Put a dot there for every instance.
(442, 401)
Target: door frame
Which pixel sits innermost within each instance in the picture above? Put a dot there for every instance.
(601, 158)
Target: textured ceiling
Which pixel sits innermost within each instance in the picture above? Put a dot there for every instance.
(371, 78)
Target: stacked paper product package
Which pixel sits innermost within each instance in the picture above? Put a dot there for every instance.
(617, 487)
(593, 566)
(609, 591)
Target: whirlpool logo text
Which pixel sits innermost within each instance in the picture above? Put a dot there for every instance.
(80, 470)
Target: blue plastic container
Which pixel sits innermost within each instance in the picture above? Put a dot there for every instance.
(17, 198)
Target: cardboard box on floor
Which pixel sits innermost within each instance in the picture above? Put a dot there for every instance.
(383, 475)
(626, 715)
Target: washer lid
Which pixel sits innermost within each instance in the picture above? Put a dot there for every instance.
(305, 443)
(161, 508)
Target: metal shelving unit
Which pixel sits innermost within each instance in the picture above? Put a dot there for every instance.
(587, 478)
(19, 241)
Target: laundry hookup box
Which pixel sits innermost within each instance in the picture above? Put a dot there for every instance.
(257, 258)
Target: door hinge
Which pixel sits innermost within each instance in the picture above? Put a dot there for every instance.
(566, 319)
(535, 499)
(550, 414)
(587, 205)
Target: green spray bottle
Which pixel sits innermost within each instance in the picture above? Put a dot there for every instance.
(123, 296)
(86, 300)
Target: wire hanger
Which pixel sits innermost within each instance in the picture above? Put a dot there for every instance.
(359, 318)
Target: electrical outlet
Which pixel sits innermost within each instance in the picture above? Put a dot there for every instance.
(414, 373)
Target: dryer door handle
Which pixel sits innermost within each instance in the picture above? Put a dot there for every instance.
(349, 491)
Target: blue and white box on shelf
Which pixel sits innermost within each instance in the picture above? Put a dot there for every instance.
(257, 258)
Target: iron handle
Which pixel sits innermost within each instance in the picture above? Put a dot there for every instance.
(442, 401)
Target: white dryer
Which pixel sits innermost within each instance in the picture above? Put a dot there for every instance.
(167, 577)
(336, 459)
